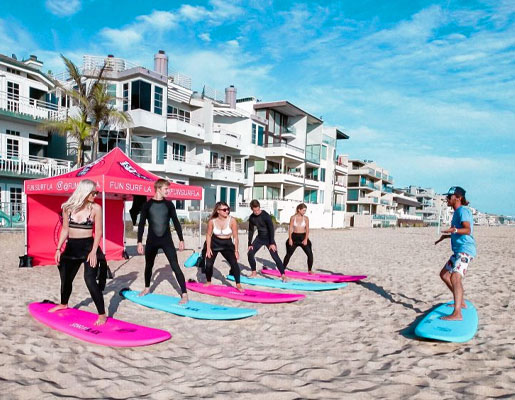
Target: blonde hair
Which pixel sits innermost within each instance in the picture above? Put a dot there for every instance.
(79, 196)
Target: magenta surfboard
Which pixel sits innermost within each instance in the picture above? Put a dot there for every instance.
(80, 324)
(251, 296)
(315, 277)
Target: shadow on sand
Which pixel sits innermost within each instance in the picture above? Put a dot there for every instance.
(388, 296)
(409, 331)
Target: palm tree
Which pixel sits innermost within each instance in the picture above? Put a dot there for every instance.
(95, 105)
(74, 127)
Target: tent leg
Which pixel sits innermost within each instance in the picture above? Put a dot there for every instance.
(125, 254)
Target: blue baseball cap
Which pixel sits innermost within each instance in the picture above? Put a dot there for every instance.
(456, 190)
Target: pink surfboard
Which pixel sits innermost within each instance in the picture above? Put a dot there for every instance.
(251, 296)
(80, 324)
(315, 277)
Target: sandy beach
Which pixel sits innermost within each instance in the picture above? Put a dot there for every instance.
(354, 343)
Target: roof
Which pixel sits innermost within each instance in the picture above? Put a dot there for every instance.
(27, 68)
(228, 112)
(341, 135)
(287, 108)
(114, 173)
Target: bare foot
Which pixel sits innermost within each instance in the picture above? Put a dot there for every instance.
(452, 317)
(144, 292)
(253, 274)
(101, 320)
(184, 298)
(207, 283)
(463, 305)
(310, 272)
(283, 277)
(239, 287)
(58, 307)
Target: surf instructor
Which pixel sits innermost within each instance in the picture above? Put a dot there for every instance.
(463, 248)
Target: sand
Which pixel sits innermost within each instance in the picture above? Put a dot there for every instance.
(355, 343)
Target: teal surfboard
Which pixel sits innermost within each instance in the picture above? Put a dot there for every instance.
(192, 309)
(433, 327)
(290, 285)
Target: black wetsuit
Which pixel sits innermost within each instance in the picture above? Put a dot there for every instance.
(159, 236)
(265, 237)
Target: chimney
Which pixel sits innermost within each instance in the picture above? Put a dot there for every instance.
(14, 57)
(33, 62)
(230, 96)
(161, 63)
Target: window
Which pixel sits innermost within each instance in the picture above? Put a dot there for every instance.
(13, 96)
(162, 150)
(258, 192)
(108, 140)
(322, 197)
(125, 98)
(353, 194)
(180, 204)
(13, 71)
(213, 160)
(246, 168)
(140, 96)
(232, 198)
(179, 152)
(111, 92)
(261, 132)
(15, 197)
(172, 112)
(254, 133)
(324, 153)
(158, 100)
(223, 194)
(141, 149)
(12, 144)
(310, 196)
(272, 193)
(184, 116)
(322, 174)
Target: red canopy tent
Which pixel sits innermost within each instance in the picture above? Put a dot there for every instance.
(118, 178)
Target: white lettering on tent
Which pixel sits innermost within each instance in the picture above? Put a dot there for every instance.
(66, 186)
(116, 185)
(39, 186)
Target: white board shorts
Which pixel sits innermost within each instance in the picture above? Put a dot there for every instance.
(459, 263)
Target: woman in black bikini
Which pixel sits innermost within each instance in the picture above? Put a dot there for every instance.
(222, 237)
(80, 215)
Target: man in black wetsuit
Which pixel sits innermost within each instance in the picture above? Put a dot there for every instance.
(261, 220)
(158, 211)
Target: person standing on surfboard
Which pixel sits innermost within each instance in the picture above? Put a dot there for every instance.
(463, 248)
(159, 211)
(80, 215)
(298, 235)
(221, 237)
(261, 220)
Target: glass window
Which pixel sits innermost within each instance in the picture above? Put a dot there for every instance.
(13, 96)
(254, 133)
(141, 149)
(140, 96)
(272, 193)
(111, 92)
(223, 194)
(125, 97)
(310, 196)
(108, 140)
(258, 192)
(232, 198)
(158, 100)
(324, 153)
(261, 131)
(322, 197)
(179, 152)
(322, 174)
(246, 168)
(15, 197)
(172, 112)
(259, 166)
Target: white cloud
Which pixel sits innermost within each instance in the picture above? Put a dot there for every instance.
(122, 38)
(161, 20)
(205, 37)
(63, 8)
(193, 13)
(233, 43)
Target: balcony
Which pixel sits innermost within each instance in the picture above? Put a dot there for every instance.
(289, 132)
(364, 171)
(293, 179)
(185, 126)
(387, 189)
(224, 138)
(30, 109)
(341, 168)
(284, 150)
(339, 207)
(225, 172)
(340, 187)
(26, 166)
(184, 165)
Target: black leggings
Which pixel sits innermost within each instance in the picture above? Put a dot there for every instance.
(227, 249)
(74, 255)
(256, 245)
(297, 239)
(151, 249)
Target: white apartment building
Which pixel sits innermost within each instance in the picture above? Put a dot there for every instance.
(27, 98)
(370, 198)
(236, 150)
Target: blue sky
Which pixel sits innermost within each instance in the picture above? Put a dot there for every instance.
(425, 89)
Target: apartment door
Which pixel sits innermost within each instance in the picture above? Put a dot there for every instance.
(15, 199)
(12, 145)
(223, 194)
(232, 198)
(179, 152)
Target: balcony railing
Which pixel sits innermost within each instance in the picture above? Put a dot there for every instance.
(184, 119)
(184, 159)
(339, 207)
(37, 109)
(226, 167)
(12, 215)
(384, 217)
(32, 165)
(285, 145)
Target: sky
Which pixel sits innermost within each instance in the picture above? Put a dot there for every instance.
(426, 89)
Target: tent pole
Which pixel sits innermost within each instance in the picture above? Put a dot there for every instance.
(104, 215)
(201, 204)
(25, 222)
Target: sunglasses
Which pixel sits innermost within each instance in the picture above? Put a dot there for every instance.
(94, 193)
(224, 209)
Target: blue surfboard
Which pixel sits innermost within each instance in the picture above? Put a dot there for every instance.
(192, 260)
(193, 309)
(433, 327)
(290, 285)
